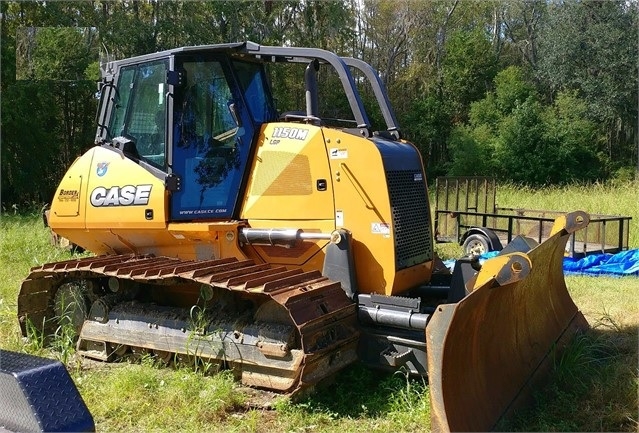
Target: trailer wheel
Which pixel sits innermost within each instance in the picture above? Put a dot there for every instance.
(476, 245)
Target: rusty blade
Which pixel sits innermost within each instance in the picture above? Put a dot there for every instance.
(488, 351)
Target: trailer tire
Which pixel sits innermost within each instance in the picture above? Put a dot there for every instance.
(476, 244)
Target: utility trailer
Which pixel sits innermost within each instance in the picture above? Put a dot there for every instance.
(466, 212)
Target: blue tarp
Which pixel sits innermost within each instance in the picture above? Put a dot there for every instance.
(620, 264)
(625, 263)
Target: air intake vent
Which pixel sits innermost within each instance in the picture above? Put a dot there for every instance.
(411, 218)
(283, 174)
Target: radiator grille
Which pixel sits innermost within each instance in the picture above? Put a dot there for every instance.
(411, 218)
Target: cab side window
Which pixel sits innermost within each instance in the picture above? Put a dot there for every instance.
(256, 91)
(205, 118)
(139, 110)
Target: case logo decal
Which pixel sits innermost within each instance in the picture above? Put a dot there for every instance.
(129, 195)
(102, 168)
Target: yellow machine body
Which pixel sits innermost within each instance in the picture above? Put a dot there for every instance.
(281, 194)
(110, 205)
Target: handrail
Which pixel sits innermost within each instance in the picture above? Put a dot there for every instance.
(303, 55)
(380, 93)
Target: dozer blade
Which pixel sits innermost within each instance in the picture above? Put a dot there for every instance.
(488, 351)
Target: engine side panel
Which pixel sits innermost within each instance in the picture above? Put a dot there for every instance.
(290, 187)
(363, 205)
(287, 171)
(103, 199)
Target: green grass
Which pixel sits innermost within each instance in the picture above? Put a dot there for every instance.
(593, 387)
(24, 243)
(605, 199)
(131, 397)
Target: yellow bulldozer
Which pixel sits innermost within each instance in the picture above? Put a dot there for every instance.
(285, 245)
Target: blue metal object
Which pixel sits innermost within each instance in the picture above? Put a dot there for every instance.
(38, 395)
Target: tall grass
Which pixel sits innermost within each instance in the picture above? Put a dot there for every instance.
(143, 397)
(24, 243)
(612, 198)
(595, 383)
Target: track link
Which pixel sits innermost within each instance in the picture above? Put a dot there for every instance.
(278, 329)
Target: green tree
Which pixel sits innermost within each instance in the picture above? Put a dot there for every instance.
(512, 135)
(521, 23)
(591, 47)
(521, 152)
(468, 70)
(47, 117)
(29, 151)
(429, 127)
(512, 87)
(471, 151)
(578, 141)
(539, 145)
(438, 59)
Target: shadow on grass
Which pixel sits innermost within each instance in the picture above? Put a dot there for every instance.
(359, 391)
(593, 386)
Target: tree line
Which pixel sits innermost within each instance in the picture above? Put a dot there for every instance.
(536, 92)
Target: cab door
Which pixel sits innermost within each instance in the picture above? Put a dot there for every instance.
(212, 136)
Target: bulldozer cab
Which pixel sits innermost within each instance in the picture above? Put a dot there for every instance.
(191, 118)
